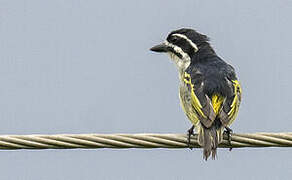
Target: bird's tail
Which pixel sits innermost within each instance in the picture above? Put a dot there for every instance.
(209, 139)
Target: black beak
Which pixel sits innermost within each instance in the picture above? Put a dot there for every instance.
(160, 48)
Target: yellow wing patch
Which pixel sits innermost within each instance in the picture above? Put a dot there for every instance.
(217, 102)
(236, 101)
(212, 105)
(195, 101)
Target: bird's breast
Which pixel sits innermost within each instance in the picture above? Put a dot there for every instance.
(186, 104)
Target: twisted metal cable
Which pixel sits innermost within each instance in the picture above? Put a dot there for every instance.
(69, 141)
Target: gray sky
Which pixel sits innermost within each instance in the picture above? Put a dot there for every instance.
(85, 67)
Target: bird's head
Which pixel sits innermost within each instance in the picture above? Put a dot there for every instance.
(181, 45)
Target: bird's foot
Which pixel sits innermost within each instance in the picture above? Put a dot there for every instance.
(228, 132)
(190, 133)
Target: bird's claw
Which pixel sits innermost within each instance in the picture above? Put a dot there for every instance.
(229, 132)
(190, 133)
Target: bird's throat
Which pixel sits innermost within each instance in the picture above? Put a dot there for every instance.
(181, 63)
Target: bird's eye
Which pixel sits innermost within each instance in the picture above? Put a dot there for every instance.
(174, 39)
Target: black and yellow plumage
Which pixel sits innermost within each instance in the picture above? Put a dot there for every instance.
(210, 93)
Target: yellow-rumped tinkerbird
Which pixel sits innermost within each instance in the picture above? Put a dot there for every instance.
(209, 91)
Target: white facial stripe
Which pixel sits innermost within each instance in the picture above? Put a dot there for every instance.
(179, 50)
(188, 40)
(183, 62)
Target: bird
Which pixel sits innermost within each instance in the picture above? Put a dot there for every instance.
(209, 91)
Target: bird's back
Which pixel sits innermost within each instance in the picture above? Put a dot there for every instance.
(207, 78)
(214, 74)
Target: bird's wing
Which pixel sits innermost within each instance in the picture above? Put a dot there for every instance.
(208, 108)
(201, 103)
(231, 104)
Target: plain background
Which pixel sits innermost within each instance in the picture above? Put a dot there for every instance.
(85, 67)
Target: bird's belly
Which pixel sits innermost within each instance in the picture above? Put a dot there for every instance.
(185, 100)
